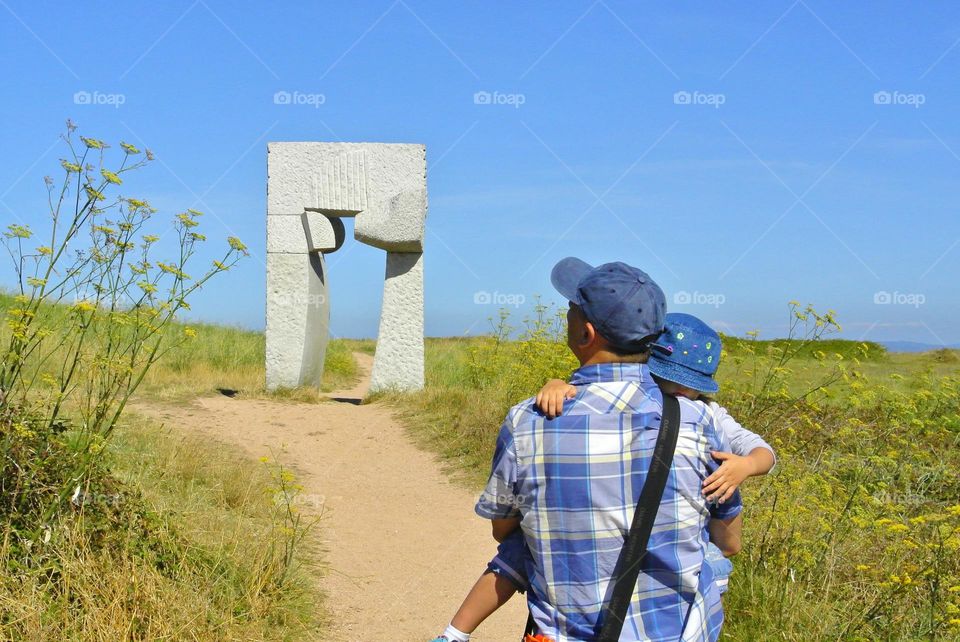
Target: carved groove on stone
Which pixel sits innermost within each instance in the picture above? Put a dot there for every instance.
(341, 184)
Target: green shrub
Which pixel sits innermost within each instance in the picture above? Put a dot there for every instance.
(89, 318)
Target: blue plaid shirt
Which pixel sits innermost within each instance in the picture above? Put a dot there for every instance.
(574, 481)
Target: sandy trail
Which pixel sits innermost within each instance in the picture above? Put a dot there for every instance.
(402, 543)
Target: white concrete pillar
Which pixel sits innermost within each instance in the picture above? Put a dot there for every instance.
(398, 363)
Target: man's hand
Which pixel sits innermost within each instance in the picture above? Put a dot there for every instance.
(720, 486)
(551, 397)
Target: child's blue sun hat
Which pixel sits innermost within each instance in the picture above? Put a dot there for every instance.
(687, 353)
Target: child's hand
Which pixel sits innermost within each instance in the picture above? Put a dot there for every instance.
(720, 486)
(551, 397)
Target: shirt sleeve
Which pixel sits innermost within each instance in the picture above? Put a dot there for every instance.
(730, 508)
(720, 442)
(499, 499)
(741, 440)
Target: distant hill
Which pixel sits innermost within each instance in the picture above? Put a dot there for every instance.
(915, 346)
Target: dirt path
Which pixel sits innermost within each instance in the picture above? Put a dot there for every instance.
(402, 543)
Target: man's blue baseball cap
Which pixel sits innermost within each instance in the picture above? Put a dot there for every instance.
(688, 353)
(622, 302)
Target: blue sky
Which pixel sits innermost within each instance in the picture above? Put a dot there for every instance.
(744, 155)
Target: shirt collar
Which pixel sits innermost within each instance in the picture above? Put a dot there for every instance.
(601, 372)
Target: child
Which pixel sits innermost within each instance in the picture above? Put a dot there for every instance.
(683, 363)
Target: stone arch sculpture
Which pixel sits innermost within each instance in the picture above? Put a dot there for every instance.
(310, 187)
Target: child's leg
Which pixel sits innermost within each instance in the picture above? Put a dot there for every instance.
(505, 575)
(489, 593)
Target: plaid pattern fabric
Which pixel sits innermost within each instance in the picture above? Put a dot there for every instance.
(574, 482)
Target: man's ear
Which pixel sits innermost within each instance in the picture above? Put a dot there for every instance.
(589, 335)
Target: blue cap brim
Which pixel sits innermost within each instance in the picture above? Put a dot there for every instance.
(672, 371)
(566, 276)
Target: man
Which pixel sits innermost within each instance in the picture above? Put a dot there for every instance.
(572, 483)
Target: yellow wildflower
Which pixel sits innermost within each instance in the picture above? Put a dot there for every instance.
(187, 220)
(18, 231)
(93, 143)
(83, 306)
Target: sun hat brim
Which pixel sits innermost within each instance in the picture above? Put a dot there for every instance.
(677, 373)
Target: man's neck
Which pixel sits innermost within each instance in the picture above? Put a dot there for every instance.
(605, 356)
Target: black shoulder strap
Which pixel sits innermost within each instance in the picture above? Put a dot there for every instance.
(635, 546)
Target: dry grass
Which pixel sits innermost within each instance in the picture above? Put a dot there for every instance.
(229, 359)
(197, 553)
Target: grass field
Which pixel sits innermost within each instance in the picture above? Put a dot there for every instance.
(854, 536)
(171, 537)
(225, 358)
